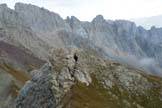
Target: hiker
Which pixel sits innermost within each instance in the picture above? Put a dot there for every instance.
(75, 57)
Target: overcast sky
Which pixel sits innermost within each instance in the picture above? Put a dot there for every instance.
(88, 9)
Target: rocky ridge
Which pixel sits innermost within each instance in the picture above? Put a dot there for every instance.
(49, 85)
(121, 86)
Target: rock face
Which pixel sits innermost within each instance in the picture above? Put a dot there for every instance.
(40, 19)
(16, 32)
(37, 93)
(117, 39)
(38, 29)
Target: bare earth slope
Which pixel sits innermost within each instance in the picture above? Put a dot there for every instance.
(15, 65)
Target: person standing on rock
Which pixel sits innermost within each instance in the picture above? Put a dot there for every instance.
(75, 57)
(76, 60)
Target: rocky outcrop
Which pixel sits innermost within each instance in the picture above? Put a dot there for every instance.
(50, 83)
(38, 92)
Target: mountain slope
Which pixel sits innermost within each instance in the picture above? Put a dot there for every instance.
(15, 65)
(92, 82)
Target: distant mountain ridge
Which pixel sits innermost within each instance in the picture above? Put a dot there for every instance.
(148, 22)
(39, 30)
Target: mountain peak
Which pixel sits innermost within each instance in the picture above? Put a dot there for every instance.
(38, 18)
(153, 27)
(19, 4)
(72, 19)
(3, 6)
(98, 18)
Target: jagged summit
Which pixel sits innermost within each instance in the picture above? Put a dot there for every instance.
(98, 18)
(39, 19)
(3, 5)
(19, 5)
(72, 20)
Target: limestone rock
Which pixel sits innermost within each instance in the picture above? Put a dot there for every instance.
(83, 77)
(37, 93)
(40, 19)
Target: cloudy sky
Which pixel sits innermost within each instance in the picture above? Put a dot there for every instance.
(88, 9)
